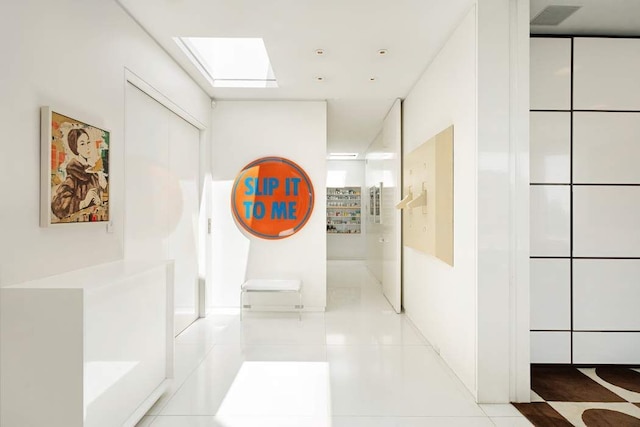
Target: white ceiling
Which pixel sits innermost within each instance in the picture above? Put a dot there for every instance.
(596, 17)
(350, 32)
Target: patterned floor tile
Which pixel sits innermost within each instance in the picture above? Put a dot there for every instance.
(594, 374)
(567, 384)
(599, 414)
(621, 377)
(541, 414)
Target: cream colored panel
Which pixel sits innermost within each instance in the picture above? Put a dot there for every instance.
(428, 197)
(550, 147)
(550, 347)
(606, 148)
(550, 76)
(606, 74)
(444, 195)
(606, 348)
(606, 293)
(550, 294)
(550, 222)
(606, 221)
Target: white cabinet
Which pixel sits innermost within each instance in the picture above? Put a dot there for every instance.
(550, 347)
(550, 161)
(606, 348)
(605, 221)
(606, 148)
(93, 347)
(606, 74)
(606, 294)
(550, 294)
(550, 220)
(550, 74)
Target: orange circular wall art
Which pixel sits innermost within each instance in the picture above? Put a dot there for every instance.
(272, 198)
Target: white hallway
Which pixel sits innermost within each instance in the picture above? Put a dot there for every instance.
(359, 364)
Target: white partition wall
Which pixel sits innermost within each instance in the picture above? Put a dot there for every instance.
(242, 132)
(585, 200)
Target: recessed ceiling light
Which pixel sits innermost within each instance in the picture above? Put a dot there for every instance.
(319, 79)
(382, 52)
(319, 52)
(372, 79)
(230, 62)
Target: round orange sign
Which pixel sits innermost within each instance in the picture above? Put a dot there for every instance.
(272, 198)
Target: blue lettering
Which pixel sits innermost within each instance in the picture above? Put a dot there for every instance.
(258, 210)
(292, 210)
(247, 209)
(279, 210)
(273, 184)
(250, 190)
(296, 181)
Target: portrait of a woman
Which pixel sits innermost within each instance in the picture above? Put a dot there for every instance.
(84, 182)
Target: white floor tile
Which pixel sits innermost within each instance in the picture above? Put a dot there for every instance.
(285, 353)
(500, 410)
(215, 329)
(187, 358)
(205, 389)
(510, 422)
(394, 381)
(411, 422)
(145, 421)
(371, 328)
(284, 330)
(535, 397)
(218, 421)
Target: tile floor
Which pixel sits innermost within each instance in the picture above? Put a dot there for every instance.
(567, 396)
(359, 364)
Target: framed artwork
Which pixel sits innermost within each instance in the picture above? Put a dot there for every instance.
(74, 170)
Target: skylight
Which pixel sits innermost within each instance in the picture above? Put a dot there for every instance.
(230, 62)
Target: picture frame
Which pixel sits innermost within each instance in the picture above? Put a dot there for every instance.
(74, 176)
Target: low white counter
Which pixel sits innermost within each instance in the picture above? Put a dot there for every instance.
(93, 347)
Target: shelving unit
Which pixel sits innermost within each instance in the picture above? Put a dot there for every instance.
(344, 210)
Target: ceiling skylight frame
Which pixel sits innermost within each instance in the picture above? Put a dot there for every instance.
(205, 67)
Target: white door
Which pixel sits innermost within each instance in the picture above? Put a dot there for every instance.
(391, 217)
(184, 143)
(162, 194)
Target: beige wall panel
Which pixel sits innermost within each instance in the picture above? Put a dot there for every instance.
(428, 218)
(444, 195)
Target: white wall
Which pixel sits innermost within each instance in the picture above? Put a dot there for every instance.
(475, 313)
(242, 132)
(72, 55)
(440, 299)
(347, 173)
